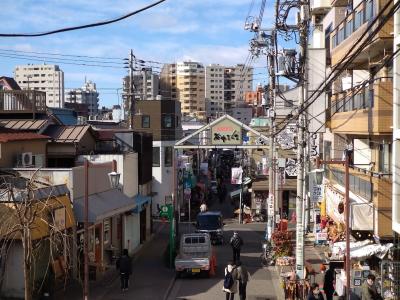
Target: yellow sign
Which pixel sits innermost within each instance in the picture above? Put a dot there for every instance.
(226, 132)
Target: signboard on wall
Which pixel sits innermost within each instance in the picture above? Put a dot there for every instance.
(226, 132)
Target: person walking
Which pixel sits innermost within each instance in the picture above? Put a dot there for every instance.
(124, 264)
(243, 278)
(230, 286)
(236, 243)
(329, 280)
(368, 290)
(203, 207)
(315, 293)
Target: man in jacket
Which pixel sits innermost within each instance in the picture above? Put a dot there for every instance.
(230, 291)
(329, 280)
(236, 244)
(243, 278)
(368, 291)
(124, 264)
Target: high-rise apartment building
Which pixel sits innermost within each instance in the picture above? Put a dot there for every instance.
(226, 87)
(184, 81)
(214, 90)
(87, 95)
(146, 86)
(238, 80)
(44, 78)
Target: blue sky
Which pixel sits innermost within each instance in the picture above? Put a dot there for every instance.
(209, 31)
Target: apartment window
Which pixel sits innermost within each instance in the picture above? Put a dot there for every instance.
(341, 35)
(349, 28)
(385, 154)
(167, 121)
(369, 10)
(359, 20)
(145, 121)
(168, 156)
(156, 156)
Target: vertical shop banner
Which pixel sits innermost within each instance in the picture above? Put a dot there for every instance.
(237, 175)
(265, 165)
(271, 210)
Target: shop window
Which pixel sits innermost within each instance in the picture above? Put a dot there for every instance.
(156, 156)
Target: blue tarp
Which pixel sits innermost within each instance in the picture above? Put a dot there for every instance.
(140, 202)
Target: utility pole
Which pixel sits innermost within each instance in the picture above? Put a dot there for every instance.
(271, 173)
(131, 90)
(303, 31)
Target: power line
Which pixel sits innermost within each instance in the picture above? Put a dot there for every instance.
(97, 24)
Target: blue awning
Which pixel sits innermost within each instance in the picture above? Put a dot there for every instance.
(141, 202)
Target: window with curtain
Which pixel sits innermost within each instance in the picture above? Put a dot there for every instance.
(156, 156)
(168, 156)
(385, 154)
(145, 121)
(167, 121)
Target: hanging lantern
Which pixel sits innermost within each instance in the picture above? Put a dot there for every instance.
(341, 207)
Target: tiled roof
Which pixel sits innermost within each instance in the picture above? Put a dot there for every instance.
(21, 136)
(12, 84)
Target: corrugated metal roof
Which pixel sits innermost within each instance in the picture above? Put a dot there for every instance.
(23, 124)
(66, 134)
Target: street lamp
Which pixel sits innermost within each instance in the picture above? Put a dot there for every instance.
(114, 181)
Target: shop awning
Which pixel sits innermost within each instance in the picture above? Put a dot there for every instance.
(141, 202)
(363, 249)
(362, 212)
(104, 205)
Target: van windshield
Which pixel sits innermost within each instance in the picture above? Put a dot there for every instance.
(208, 222)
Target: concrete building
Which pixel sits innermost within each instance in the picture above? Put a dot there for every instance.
(214, 90)
(238, 80)
(226, 87)
(184, 81)
(359, 112)
(87, 94)
(146, 85)
(44, 78)
(161, 118)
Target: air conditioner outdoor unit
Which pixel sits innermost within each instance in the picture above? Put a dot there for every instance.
(26, 159)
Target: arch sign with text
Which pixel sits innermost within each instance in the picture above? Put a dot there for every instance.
(226, 132)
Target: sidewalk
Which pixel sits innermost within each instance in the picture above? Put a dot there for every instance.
(150, 279)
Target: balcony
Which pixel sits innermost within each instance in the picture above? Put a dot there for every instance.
(363, 110)
(320, 6)
(354, 26)
(21, 101)
(372, 187)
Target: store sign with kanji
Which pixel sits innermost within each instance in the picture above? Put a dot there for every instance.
(226, 132)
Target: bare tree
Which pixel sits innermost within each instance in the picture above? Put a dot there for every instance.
(21, 215)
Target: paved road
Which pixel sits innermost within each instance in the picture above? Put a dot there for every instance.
(264, 283)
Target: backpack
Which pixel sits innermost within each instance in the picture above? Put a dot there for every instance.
(236, 242)
(228, 280)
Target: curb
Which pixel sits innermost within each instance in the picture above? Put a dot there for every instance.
(170, 287)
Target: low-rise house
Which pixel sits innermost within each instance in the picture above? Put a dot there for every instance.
(50, 223)
(22, 149)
